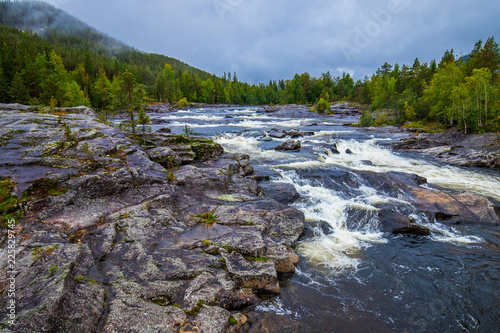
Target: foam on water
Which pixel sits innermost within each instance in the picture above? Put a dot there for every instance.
(235, 143)
(287, 123)
(202, 117)
(338, 251)
(191, 125)
(384, 160)
(444, 233)
(329, 133)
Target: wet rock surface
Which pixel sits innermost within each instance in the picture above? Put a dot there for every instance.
(160, 233)
(436, 204)
(480, 150)
(289, 145)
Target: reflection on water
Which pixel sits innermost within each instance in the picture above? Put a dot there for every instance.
(352, 277)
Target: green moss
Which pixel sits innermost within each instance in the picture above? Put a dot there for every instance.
(175, 139)
(205, 149)
(171, 177)
(229, 198)
(196, 309)
(232, 321)
(208, 217)
(57, 191)
(82, 279)
(43, 187)
(228, 248)
(9, 205)
(162, 300)
(264, 259)
(43, 252)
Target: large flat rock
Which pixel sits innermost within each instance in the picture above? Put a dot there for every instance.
(121, 234)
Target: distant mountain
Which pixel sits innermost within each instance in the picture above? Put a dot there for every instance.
(55, 25)
(41, 18)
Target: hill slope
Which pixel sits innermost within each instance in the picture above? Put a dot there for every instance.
(57, 26)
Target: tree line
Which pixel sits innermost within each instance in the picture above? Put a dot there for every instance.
(76, 69)
(456, 92)
(70, 69)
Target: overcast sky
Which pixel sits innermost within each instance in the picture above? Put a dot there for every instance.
(273, 39)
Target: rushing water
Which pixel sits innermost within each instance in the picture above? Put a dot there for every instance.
(352, 277)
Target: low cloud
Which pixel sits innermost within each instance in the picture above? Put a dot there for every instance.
(264, 40)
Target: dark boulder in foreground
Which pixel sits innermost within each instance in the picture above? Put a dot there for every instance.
(155, 233)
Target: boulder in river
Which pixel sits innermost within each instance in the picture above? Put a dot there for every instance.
(480, 150)
(400, 224)
(444, 206)
(159, 121)
(279, 134)
(297, 133)
(289, 145)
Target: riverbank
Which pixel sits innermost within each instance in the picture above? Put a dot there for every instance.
(158, 233)
(173, 227)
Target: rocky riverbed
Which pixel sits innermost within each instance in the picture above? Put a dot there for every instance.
(120, 233)
(480, 150)
(166, 232)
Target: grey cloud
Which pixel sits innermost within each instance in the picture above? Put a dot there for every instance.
(263, 40)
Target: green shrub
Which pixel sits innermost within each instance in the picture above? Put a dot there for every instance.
(382, 118)
(367, 119)
(183, 103)
(323, 106)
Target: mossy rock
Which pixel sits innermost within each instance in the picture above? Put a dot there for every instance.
(165, 157)
(9, 205)
(206, 150)
(43, 187)
(175, 139)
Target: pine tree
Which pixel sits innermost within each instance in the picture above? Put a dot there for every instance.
(127, 86)
(143, 119)
(18, 91)
(487, 56)
(3, 86)
(103, 86)
(448, 56)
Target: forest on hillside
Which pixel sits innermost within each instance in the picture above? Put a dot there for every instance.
(69, 67)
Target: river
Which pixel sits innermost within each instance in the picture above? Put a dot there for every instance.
(352, 277)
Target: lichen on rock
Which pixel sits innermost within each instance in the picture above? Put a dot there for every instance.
(112, 223)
